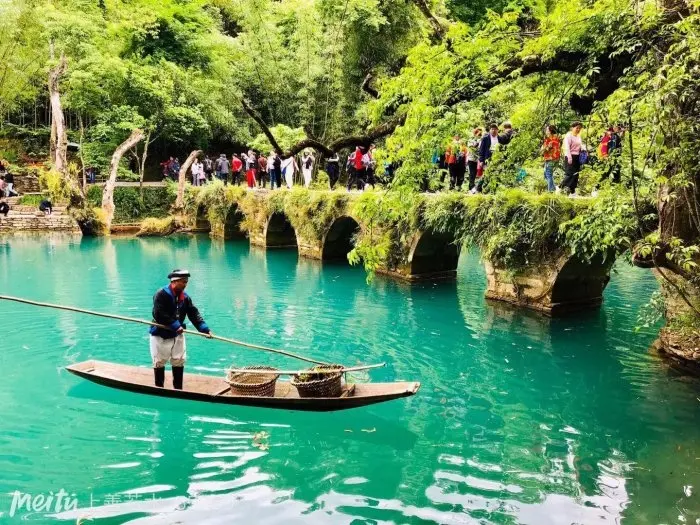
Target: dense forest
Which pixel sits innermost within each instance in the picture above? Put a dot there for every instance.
(407, 75)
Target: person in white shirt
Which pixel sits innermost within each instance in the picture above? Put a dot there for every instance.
(307, 167)
(197, 173)
(572, 150)
(289, 168)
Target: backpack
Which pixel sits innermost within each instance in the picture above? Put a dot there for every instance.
(308, 163)
(583, 157)
(277, 163)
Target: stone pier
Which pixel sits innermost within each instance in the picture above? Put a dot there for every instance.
(558, 285)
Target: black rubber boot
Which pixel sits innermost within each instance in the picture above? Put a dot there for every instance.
(159, 374)
(178, 372)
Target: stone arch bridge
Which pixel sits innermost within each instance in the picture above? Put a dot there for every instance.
(558, 284)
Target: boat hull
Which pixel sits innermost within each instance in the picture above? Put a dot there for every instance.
(210, 389)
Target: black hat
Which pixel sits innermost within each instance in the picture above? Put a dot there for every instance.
(176, 275)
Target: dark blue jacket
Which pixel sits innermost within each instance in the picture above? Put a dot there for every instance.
(485, 148)
(170, 312)
(615, 144)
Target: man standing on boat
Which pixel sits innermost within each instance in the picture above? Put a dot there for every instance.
(170, 306)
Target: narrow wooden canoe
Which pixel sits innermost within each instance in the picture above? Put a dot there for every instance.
(213, 389)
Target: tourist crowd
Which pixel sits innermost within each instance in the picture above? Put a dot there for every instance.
(257, 170)
(468, 161)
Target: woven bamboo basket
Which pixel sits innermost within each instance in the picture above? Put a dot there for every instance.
(252, 384)
(311, 384)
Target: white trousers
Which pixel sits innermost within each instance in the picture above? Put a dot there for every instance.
(307, 176)
(289, 176)
(164, 350)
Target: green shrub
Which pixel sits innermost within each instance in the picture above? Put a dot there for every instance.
(157, 227)
(31, 200)
(92, 221)
(130, 206)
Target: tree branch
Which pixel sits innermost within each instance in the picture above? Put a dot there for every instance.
(436, 26)
(108, 192)
(181, 179)
(265, 129)
(367, 88)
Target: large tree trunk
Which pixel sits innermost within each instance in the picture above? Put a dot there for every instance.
(180, 200)
(52, 142)
(58, 120)
(108, 193)
(142, 164)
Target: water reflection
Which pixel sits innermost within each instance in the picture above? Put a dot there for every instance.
(521, 418)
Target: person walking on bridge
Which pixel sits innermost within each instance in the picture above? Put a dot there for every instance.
(236, 169)
(307, 167)
(222, 168)
(170, 307)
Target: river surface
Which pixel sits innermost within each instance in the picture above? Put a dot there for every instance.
(520, 419)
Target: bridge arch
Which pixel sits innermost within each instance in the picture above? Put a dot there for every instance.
(279, 232)
(232, 223)
(201, 222)
(340, 239)
(579, 284)
(433, 255)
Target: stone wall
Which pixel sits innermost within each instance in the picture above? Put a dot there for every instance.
(31, 223)
(27, 181)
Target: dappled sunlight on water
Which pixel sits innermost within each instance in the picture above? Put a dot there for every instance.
(520, 419)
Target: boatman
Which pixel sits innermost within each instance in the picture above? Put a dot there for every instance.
(170, 306)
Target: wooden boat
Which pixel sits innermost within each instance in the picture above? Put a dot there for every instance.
(213, 389)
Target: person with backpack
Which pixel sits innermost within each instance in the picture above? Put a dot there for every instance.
(370, 165)
(615, 151)
(222, 168)
(307, 167)
(357, 169)
(208, 167)
(175, 169)
(488, 145)
(573, 146)
(251, 164)
(165, 167)
(333, 169)
(276, 170)
(551, 152)
(473, 155)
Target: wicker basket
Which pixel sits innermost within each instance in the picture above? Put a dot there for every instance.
(252, 384)
(319, 385)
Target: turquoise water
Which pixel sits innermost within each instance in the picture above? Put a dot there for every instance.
(521, 419)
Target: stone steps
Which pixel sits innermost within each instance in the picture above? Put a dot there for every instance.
(26, 218)
(29, 210)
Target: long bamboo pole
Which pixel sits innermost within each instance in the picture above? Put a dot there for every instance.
(151, 323)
